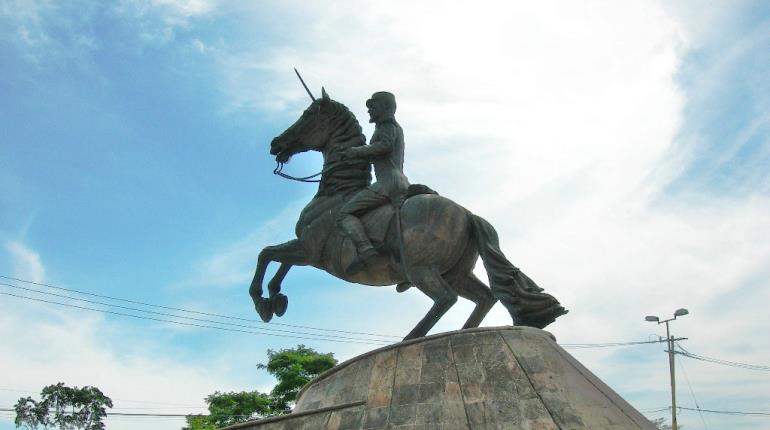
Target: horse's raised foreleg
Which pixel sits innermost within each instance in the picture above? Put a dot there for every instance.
(473, 289)
(280, 302)
(288, 254)
(430, 282)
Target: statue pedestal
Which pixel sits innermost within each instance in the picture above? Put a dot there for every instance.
(484, 378)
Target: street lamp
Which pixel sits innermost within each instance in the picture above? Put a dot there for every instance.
(670, 342)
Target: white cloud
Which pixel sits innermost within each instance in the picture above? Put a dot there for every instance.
(556, 121)
(44, 345)
(73, 348)
(46, 35)
(158, 20)
(559, 123)
(26, 262)
(235, 263)
(543, 118)
(26, 18)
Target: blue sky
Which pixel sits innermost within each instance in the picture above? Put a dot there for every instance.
(620, 151)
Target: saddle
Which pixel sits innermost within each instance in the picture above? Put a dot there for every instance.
(377, 223)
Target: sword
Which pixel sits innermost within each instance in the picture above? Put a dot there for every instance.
(303, 84)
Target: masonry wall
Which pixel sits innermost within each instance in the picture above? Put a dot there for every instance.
(487, 378)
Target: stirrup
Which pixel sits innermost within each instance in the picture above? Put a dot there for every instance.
(361, 261)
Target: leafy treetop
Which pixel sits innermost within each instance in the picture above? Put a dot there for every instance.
(294, 368)
(68, 408)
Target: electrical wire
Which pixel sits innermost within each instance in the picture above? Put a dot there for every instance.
(185, 323)
(180, 316)
(140, 414)
(135, 414)
(692, 393)
(136, 302)
(170, 405)
(688, 354)
(607, 345)
(293, 334)
(762, 414)
(652, 411)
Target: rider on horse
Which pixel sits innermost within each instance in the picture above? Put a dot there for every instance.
(386, 152)
(439, 241)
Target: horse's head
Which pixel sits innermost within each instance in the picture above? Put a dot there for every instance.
(312, 131)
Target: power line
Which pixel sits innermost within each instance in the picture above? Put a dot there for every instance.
(607, 345)
(136, 302)
(140, 414)
(184, 323)
(170, 405)
(137, 414)
(687, 379)
(652, 411)
(301, 334)
(180, 316)
(762, 414)
(117, 408)
(711, 411)
(688, 354)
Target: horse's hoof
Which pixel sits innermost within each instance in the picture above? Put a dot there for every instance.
(280, 303)
(265, 309)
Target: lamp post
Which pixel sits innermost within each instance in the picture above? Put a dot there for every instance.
(670, 342)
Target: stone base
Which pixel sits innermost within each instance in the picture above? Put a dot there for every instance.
(514, 378)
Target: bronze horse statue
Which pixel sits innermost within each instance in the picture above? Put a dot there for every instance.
(431, 243)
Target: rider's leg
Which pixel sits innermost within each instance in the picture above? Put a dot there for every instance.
(349, 223)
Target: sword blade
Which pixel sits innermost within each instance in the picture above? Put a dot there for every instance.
(303, 84)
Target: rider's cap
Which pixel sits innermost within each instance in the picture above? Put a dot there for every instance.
(385, 97)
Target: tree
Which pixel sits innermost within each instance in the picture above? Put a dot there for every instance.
(660, 424)
(68, 408)
(231, 408)
(293, 367)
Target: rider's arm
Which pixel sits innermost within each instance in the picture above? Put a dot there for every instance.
(382, 142)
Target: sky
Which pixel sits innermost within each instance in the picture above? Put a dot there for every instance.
(621, 150)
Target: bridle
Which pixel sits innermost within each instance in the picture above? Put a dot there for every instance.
(279, 165)
(278, 171)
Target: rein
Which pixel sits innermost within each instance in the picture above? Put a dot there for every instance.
(278, 171)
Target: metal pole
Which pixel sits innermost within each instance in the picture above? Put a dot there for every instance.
(670, 341)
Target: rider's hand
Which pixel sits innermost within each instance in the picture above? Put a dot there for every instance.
(348, 153)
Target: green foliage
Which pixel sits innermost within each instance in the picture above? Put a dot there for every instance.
(231, 408)
(660, 424)
(198, 422)
(294, 367)
(67, 408)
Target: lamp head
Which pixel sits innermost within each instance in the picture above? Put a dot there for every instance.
(651, 318)
(681, 312)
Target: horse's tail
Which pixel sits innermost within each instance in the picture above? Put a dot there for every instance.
(525, 301)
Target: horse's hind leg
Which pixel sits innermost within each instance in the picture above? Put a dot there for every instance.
(473, 289)
(430, 282)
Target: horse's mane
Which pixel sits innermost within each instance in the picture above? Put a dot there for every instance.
(343, 176)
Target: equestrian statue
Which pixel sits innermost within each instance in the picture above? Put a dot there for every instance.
(390, 232)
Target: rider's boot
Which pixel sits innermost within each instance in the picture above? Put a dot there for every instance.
(366, 253)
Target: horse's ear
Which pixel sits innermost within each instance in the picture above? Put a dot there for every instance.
(325, 96)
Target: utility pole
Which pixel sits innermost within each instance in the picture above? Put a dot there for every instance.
(672, 370)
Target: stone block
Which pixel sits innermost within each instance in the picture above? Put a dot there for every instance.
(403, 414)
(405, 394)
(487, 378)
(376, 417)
